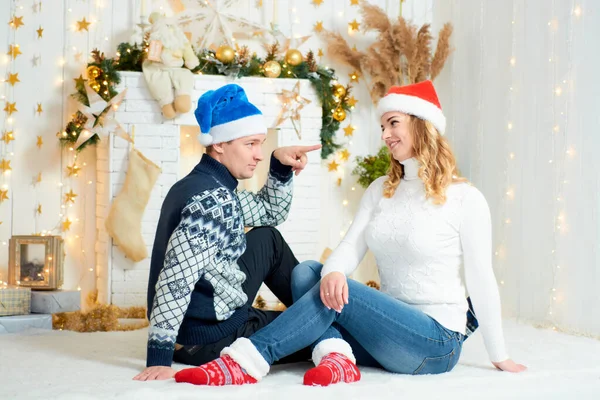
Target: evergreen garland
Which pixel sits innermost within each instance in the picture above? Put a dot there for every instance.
(130, 58)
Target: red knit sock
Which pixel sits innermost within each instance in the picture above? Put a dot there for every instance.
(333, 368)
(220, 372)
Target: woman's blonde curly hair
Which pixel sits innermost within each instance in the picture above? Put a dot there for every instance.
(437, 163)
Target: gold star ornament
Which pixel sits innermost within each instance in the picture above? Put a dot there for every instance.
(70, 196)
(39, 109)
(79, 81)
(3, 195)
(13, 78)
(73, 170)
(66, 225)
(353, 25)
(39, 209)
(14, 51)
(292, 104)
(83, 25)
(10, 108)
(16, 22)
(40, 142)
(351, 101)
(7, 137)
(317, 3)
(318, 27)
(344, 155)
(5, 166)
(333, 166)
(354, 2)
(349, 130)
(354, 76)
(40, 32)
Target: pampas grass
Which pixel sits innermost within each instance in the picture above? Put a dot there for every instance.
(401, 54)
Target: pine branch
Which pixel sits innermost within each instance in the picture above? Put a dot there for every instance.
(272, 51)
(311, 62)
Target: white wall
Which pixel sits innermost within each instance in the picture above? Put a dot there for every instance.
(548, 255)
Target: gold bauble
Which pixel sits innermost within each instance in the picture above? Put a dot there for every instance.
(225, 54)
(293, 57)
(95, 86)
(339, 114)
(339, 91)
(272, 69)
(93, 72)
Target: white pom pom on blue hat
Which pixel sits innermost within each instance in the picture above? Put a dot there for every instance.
(226, 114)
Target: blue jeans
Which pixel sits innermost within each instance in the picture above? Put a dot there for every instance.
(382, 331)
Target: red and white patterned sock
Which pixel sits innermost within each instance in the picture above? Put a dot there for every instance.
(220, 372)
(333, 368)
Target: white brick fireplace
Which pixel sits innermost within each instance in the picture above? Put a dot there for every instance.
(173, 146)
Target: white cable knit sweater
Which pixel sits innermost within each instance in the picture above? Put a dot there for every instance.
(420, 248)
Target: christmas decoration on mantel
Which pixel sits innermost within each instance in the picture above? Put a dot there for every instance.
(103, 75)
(97, 100)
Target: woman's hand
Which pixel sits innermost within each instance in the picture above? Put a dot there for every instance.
(334, 290)
(509, 366)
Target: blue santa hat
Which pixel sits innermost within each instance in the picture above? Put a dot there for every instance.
(226, 114)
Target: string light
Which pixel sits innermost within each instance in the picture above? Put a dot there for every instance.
(501, 252)
(560, 107)
(10, 121)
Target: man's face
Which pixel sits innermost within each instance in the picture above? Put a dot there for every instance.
(241, 156)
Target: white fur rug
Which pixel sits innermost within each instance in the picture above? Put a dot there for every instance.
(68, 365)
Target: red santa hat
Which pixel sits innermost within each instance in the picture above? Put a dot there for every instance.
(419, 99)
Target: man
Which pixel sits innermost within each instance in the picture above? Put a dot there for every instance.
(205, 271)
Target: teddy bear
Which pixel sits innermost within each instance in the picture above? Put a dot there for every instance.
(167, 69)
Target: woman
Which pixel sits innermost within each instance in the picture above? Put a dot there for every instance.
(422, 222)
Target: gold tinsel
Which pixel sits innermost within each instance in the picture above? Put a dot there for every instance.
(260, 303)
(373, 284)
(100, 318)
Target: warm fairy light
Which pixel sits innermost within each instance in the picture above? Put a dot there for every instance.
(510, 193)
